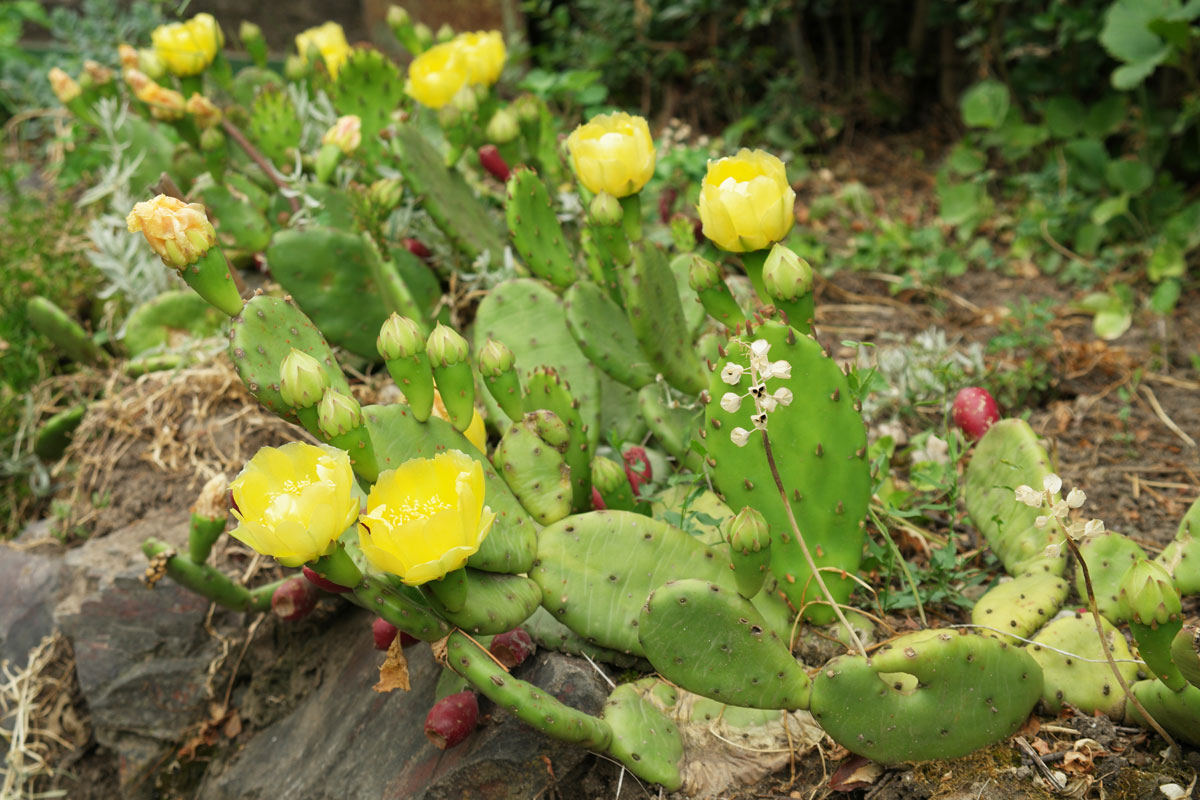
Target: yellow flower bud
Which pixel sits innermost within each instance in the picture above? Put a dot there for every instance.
(150, 63)
(346, 133)
(136, 79)
(613, 153)
(484, 54)
(64, 86)
(179, 232)
(435, 76)
(165, 104)
(293, 502)
(187, 48)
(127, 54)
(746, 202)
(207, 115)
(99, 73)
(330, 41)
(426, 518)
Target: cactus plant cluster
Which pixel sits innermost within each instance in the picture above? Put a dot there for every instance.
(590, 335)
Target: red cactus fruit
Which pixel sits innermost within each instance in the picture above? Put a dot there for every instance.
(598, 503)
(637, 468)
(323, 583)
(417, 248)
(974, 411)
(294, 599)
(452, 719)
(491, 160)
(511, 648)
(666, 204)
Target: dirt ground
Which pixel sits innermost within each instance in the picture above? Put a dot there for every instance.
(1123, 418)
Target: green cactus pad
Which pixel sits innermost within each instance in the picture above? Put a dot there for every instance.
(55, 434)
(529, 319)
(524, 700)
(327, 273)
(823, 467)
(261, 337)
(402, 606)
(369, 86)
(448, 199)
(545, 391)
(240, 225)
(534, 469)
(535, 229)
(613, 560)
(672, 426)
(274, 127)
(65, 333)
(601, 330)
(741, 660)
(1109, 556)
(1181, 558)
(199, 578)
(693, 311)
(1175, 711)
(701, 513)
(551, 634)
(1009, 455)
(972, 691)
(170, 320)
(495, 603)
(398, 437)
(1185, 652)
(1020, 606)
(656, 317)
(1087, 685)
(643, 738)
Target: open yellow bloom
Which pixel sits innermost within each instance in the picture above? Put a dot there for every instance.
(746, 202)
(426, 518)
(179, 232)
(484, 54)
(435, 76)
(613, 153)
(187, 48)
(330, 41)
(293, 502)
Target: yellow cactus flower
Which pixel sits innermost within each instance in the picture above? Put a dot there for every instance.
(426, 518)
(127, 54)
(613, 153)
(165, 104)
(346, 134)
(65, 87)
(293, 502)
(187, 48)
(330, 41)
(435, 76)
(746, 202)
(484, 54)
(179, 232)
(476, 434)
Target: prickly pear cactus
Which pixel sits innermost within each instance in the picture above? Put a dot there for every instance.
(1010, 455)
(67, 335)
(743, 662)
(823, 467)
(327, 273)
(1181, 558)
(1175, 711)
(370, 87)
(971, 691)
(601, 330)
(1109, 556)
(656, 318)
(169, 320)
(1087, 685)
(535, 229)
(495, 603)
(530, 457)
(545, 391)
(1020, 606)
(274, 126)
(672, 423)
(644, 738)
(613, 560)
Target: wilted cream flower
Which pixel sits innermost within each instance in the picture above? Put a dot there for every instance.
(179, 232)
(65, 87)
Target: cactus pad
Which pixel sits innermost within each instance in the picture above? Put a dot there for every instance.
(533, 467)
(1175, 711)
(536, 231)
(1181, 558)
(643, 738)
(1109, 556)
(274, 126)
(496, 603)
(1020, 606)
(657, 319)
(1087, 685)
(169, 320)
(370, 87)
(601, 330)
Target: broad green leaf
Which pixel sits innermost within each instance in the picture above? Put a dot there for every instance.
(1183, 227)
(985, 104)
(1111, 323)
(1105, 116)
(1130, 76)
(1087, 159)
(961, 203)
(1166, 262)
(1088, 239)
(1064, 116)
(1165, 296)
(965, 160)
(1129, 176)
(1127, 36)
(1110, 208)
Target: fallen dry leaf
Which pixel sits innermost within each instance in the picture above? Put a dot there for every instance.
(393, 673)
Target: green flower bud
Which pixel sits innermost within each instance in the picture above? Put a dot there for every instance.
(495, 359)
(249, 32)
(295, 68)
(446, 347)
(338, 414)
(424, 35)
(449, 116)
(749, 532)
(398, 18)
(606, 210)
(211, 139)
(703, 274)
(302, 380)
(786, 275)
(503, 127)
(465, 100)
(445, 33)
(607, 475)
(385, 193)
(1148, 595)
(526, 108)
(399, 338)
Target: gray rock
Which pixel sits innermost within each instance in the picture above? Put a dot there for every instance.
(346, 740)
(31, 584)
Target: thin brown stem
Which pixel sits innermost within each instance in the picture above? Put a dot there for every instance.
(1129, 695)
(812, 565)
(258, 158)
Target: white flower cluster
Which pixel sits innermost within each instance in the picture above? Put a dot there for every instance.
(761, 370)
(1059, 510)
